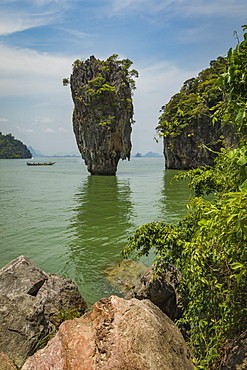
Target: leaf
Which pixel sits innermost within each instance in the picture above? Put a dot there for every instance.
(242, 160)
(232, 153)
(236, 265)
(229, 219)
(243, 186)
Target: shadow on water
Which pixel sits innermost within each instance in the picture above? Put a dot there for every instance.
(102, 217)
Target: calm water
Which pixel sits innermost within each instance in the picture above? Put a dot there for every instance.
(74, 224)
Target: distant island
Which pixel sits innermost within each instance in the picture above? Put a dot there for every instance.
(35, 153)
(149, 154)
(12, 148)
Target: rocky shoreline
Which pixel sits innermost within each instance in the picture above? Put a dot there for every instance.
(44, 325)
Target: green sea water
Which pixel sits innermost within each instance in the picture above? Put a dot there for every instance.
(74, 224)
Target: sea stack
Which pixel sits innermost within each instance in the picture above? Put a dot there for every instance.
(103, 111)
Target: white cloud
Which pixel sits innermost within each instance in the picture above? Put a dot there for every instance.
(187, 7)
(16, 17)
(214, 8)
(2, 119)
(49, 131)
(76, 33)
(119, 6)
(63, 130)
(157, 83)
(11, 22)
(25, 72)
(43, 120)
(25, 130)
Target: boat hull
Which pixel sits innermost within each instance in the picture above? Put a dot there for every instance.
(40, 164)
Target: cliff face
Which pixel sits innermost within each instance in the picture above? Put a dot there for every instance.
(189, 149)
(103, 113)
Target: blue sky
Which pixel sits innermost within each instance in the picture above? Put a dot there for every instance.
(168, 41)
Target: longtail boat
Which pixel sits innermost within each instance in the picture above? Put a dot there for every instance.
(40, 164)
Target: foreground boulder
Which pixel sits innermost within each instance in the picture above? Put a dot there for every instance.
(23, 326)
(32, 306)
(116, 334)
(21, 276)
(160, 288)
(103, 112)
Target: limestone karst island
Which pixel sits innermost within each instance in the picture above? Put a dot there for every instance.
(103, 111)
(186, 310)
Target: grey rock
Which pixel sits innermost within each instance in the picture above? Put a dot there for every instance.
(21, 276)
(124, 275)
(189, 149)
(60, 296)
(236, 354)
(32, 306)
(23, 326)
(160, 289)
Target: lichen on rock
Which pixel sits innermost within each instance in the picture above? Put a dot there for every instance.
(103, 111)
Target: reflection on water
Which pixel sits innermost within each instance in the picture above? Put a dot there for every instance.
(174, 198)
(102, 218)
(107, 210)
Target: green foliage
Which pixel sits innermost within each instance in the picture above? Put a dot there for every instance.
(99, 87)
(233, 84)
(194, 101)
(65, 81)
(69, 314)
(106, 120)
(228, 174)
(209, 245)
(76, 64)
(13, 148)
(104, 96)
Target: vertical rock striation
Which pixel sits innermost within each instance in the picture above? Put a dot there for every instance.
(198, 145)
(103, 112)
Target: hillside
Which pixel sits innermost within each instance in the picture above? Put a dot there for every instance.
(12, 148)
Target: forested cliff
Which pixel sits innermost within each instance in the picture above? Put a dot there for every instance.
(186, 123)
(12, 148)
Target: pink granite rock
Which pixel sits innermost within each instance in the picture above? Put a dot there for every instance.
(6, 363)
(116, 334)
